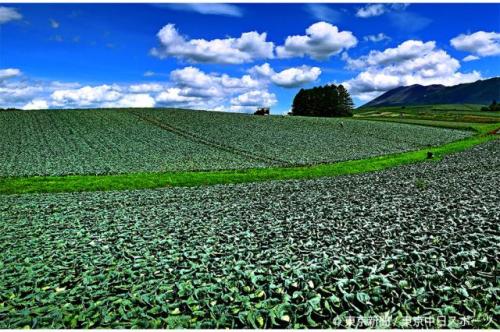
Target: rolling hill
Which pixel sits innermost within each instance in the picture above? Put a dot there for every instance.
(119, 141)
(479, 92)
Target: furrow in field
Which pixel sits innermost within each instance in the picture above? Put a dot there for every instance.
(102, 142)
(201, 140)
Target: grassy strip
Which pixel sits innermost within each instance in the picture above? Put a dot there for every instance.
(427, 123)
(480, 128)
(73, 183)
(460, 114)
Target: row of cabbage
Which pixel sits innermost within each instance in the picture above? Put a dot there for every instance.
(409, 247)
(299, 140)
(99, 142)
(63, 142)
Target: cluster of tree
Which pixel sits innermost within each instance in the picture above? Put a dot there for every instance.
(494, 107)
(328, 101)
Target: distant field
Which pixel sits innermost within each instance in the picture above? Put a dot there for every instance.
(452, 113)
(436, 123)
(63, 142)
(436, 107)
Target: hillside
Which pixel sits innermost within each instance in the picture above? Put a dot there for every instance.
(63, 142)
(479, 92)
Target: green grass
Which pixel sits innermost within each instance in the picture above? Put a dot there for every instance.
(19, 185)
(446, 112)
(479, 128)
(466, 108)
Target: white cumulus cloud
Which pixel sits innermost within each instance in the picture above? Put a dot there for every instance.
(105, 96)
(322, 40)
(247, 48)
(146, 87)
(132, 100)
(294, 77)
(262, 71)
(176, 96)
(194, 88)
(411, 62)
(479, 43)
(187, 87)
(17, 92)
(87, 96)
(36, 104)
(194, 78)
(248, 101)
(408, 50)
(288, 78)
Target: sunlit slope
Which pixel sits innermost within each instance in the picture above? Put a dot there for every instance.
(61, 142)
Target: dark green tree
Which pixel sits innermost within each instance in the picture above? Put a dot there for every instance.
(299, 103)
(345, 101)
(328, 101)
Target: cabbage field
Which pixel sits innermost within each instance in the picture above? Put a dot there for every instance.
(415, 245)
(411, 246)
(62, 142)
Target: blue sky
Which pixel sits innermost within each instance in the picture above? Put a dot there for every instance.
(235, 57)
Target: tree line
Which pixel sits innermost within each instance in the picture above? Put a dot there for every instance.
(328, 101)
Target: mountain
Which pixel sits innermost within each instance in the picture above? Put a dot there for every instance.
(479, 92)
